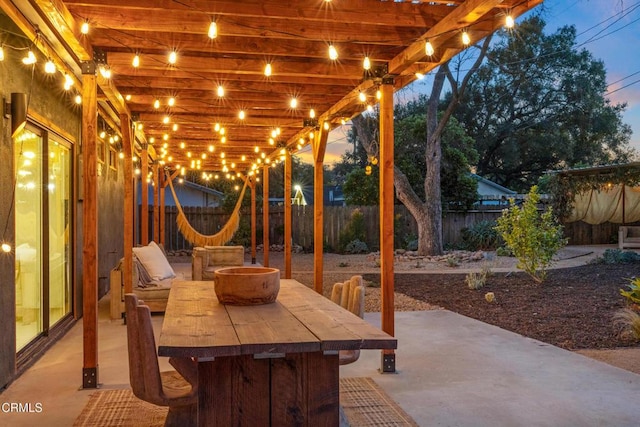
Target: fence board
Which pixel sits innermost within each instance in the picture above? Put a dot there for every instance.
(336, 219)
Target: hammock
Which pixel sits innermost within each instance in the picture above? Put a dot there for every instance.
(199, 239)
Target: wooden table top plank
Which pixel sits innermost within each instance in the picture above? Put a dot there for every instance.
(300, 320)
(270, 328)
(195, 322)
(330, 322)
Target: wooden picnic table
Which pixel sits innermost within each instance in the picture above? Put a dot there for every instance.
(274, 364)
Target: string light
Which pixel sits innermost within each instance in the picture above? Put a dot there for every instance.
(333, 53)
(156, 104)
(312, 113)
(6, 247)
(171, 102)
(136, 61)
(220, 91)
(419, 76)
(213, 30)
(509, 22)
(267, 70)
(84, 28)
(379, 94)
(465, 38)
(428, 48)
(29, 59)
(241, 115)
(175, 127)
(362, 97)
(366, 64)
(1, 53)
(49, 67)
(173, 57)
(293, 103)
(78, 99)
(165, 119)
(68, 82)
(127, 97)
(216, 127)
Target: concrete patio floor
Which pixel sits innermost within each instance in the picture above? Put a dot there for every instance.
(452, 371)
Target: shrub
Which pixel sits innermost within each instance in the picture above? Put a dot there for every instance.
(475, 280)
(481, 236)
(533, 238)
(355, 230)
(617, 256)
(633, 294)
(503, 251)
(356, 247)
(629, 319)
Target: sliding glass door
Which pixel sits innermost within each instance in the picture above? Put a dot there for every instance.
(43, 232)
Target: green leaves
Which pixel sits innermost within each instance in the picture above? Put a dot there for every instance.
(533, 238)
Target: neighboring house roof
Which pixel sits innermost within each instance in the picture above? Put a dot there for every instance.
(490, 188)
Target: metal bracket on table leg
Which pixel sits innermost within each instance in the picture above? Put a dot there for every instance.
(388, 363)
(269, 355)
(90, 377)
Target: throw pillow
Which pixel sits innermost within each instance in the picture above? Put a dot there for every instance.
(154, 261)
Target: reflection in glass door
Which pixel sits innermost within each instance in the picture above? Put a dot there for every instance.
(59, 183)
(28, 220)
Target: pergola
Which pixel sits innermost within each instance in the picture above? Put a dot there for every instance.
(231, 87)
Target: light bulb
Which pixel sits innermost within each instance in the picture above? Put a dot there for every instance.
(213, 30)
(465, 38)
(84, 29)
(241, 115)
(121, 155)
(216, 127)
(428, 48)
(362, 97)
(171, 102)
(223, 140)
(78, 99)
(127, 97)
(1, 53)
(366, 64)
(165, 119)
(211, 148)
(175, 127)
(173, 57)
(312, 113)
(49, 67)
(509, 22)
(136, 61)
(379, 94)
(68, 82)
(293, 103)
(333, 53)
(6, 247)
(419, 76)
(29, 59)
(156, 104)
(220, 91)
(267, 70)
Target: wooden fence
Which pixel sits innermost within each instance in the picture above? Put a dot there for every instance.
(336, 218)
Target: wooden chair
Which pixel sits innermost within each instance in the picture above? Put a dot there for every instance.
(176, 390)
(349, 295)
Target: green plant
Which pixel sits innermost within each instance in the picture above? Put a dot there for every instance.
(503, 251)
(355, 230)
(476, 280)
(481, 236)
(633, 294)
(452, 262)
(617, 256)
(356, 247)
(629, 319)
(533, 238)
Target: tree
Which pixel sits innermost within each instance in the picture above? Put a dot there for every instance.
(538, 104)
(428, 213)
(459, 189)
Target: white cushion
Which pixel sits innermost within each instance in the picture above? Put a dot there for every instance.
(154, 261)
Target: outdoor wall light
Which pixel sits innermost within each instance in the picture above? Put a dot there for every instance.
(17, 110)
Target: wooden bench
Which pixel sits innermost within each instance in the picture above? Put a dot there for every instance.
(628, 237)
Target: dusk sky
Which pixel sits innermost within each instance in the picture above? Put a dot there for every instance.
(609, 29)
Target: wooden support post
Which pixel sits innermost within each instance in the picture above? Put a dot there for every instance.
(144, 193)
(252, 184)
(129, 204)
(287, 215)
(90, 228)
(386, 218)
(319, 148)
(156, 199)
(162, 189)
(265, 215)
